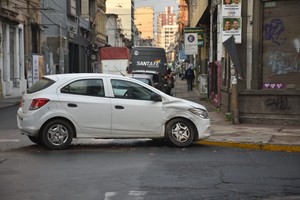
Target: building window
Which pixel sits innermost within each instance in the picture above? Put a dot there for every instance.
(72, 7)
(34, 33)
(12, 33)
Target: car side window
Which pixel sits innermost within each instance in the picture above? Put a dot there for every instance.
(130, 90)
(88, 87)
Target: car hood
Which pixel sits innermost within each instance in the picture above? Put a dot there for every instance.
(177, 102)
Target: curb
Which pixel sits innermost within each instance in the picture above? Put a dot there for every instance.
(266, 147)
(8, 105)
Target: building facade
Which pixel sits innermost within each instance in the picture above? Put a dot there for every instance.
(73, 33)
(20, 30)
(144, 21)
(262, 64)
(114, 31)
(48, 37)
(125, 11)
(167, 29)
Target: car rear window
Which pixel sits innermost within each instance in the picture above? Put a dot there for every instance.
(145, 80)
(90, 87)
(40, 85)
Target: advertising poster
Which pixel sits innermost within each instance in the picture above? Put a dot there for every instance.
(191, 43)
(232, 26)
(28, 67)
(199, 31)
(231, 20)
(41, 64)
(231, 8)
(37, 67)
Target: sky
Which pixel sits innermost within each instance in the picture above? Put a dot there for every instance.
(158, 5)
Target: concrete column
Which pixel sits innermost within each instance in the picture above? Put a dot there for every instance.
(61, 53)
(6, 54)
(249, 44)
(234, 97)
(16, 56)
(22, 54)
(1, 59)
(23, 82)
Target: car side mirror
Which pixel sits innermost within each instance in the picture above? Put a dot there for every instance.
(155, 97)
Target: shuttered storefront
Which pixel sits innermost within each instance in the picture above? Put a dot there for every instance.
(281, 45)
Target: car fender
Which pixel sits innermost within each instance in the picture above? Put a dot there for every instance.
(53, 112)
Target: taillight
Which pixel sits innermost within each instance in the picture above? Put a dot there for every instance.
(38, 103)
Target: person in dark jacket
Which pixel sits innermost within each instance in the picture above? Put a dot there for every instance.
(190, 76)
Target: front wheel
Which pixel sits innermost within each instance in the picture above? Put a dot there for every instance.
(180, 132)
(57, 135)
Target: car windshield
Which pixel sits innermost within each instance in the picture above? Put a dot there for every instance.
(40, 85)
(144, 80)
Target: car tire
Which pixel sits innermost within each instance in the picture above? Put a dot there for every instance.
(35, 140)
(57, 134)
(180, 132)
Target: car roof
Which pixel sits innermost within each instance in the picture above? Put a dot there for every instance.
(141, 48)
(70, 76)
(81, 75)
(144, 72)
(142, 75)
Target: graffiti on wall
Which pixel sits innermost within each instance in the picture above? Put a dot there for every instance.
(274, 86)
(283, 62)
(282, 59)
(277, 103)
(273, 30)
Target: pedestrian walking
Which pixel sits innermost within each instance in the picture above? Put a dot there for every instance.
(190, 76)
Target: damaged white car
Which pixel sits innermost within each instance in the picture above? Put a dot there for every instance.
(61, 107)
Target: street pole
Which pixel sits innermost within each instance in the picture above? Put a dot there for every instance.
(234, 97)
(1, 94)
(61, 54)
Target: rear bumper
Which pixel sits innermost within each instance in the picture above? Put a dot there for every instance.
(27, 123)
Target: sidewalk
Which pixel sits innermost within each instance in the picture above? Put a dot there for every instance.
(250, 136)
(9, 102)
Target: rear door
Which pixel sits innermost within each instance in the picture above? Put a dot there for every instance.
(133, 113)
(87, 105)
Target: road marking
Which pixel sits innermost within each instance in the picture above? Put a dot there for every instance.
(139, 195)
(9, 140)
(108, 195)
(136, 195)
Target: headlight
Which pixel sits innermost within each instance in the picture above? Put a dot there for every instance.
(199, 112)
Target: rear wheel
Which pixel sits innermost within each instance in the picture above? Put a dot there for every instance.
(57, 135)
(180, 132)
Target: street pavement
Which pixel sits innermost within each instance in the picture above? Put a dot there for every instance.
(250, 136)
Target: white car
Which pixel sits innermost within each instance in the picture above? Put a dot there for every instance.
(61, 107)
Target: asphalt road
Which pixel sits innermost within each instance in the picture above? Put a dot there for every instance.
(140, 170)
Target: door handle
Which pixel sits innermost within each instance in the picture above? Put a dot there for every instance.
(119, 107)
(72, 105)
